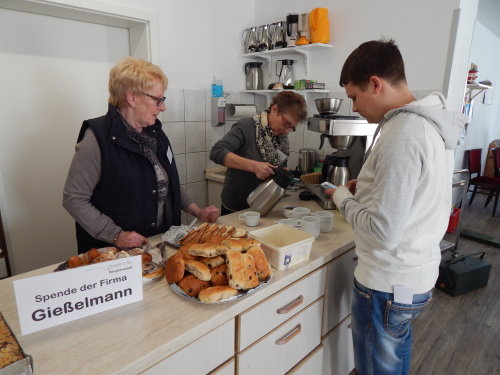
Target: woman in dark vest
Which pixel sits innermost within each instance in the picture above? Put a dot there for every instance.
(123, 184)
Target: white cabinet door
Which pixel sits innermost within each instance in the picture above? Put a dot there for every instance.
(338, 356)
(311, 365)
(339, 280)
(284, 347)
(200, 357)
(261, 319)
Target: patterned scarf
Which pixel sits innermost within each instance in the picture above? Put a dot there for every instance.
(267, 143)
(149, 146)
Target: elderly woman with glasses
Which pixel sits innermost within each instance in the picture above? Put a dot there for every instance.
(123, 184)
(255, 147)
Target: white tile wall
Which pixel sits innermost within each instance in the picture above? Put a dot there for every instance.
(198, 192)
(176, 133)
(174, 104)
(195, 166)
(213, 134)
(194, 105)
(195, 136)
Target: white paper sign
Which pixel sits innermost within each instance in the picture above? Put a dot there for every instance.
(48, 300)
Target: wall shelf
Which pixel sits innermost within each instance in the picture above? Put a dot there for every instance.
(301, 50)
(474, 89)
(270, 93)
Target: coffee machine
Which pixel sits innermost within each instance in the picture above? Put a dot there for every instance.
(350, 137)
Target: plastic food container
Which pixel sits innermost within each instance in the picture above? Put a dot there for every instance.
(283, 245)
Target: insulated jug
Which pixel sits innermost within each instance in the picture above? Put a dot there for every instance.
(253, 76)
(286, 75)
(269, 192)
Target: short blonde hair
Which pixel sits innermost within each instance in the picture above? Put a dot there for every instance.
(134, 75)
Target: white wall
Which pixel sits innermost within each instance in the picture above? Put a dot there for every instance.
(485, 123)
(54, 74)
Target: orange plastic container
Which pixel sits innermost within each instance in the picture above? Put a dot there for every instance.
(319, 26)
(454, 217)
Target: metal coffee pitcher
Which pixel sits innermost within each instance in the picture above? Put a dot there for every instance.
(278, 38)
(253, 76)
(286, 75)
(269, 192)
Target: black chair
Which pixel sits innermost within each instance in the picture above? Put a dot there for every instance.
(496, 166)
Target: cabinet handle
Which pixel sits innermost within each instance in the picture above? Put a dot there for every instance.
(287, 308)
(290, 335)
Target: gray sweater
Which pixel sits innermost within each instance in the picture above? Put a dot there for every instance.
(238, 184)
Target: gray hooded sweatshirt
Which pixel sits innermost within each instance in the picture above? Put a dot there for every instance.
(403, 198)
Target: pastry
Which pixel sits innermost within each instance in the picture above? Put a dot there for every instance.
(146, 257)
(10, 351)
(75, 261)
(219, 275)
(104, 257)
(238, 233)
(250, 242)
(200, 270)
(212, 262)
(122, 254)
(216, 293)
(191, 285)
(174, 268)
(251, 277)
(207, 250)
(92, 254)
(241, 272)
(151, 270)
(184, 250)
(233, 244)
(261, 264)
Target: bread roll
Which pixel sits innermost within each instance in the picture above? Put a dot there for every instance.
(212, 262)
(251, 277)
(261, 264)
(75, 261)
(219, 275)
(207, 250)
(151, 270)
(238, 233)
(241, 272)
(184, 250)
(174, 268)
(92, 254)
(192, 285)
(216, 293)
(233, 244)
(200, 270)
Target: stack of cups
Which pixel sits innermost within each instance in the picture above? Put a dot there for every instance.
(326, 220)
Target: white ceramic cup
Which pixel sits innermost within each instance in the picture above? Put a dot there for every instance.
(291, 222)
(326, 218)
(287, 209)
(297, 213)
(311, 224)
(250, 218)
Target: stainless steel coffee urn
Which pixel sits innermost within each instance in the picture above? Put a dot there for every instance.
(253, 73)
(269, 192)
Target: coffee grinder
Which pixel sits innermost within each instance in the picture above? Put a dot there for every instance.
(349, 136)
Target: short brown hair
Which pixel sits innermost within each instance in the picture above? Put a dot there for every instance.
(374, 58)
(292, 103)
(134, 75)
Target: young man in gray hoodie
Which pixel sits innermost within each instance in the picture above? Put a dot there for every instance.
(400, 207)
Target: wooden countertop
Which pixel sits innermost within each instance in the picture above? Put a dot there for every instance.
(132, 338)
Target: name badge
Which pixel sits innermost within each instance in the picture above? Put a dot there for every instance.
(49, 300)
(169, 154)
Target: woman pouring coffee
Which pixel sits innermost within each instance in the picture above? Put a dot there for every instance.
(255, 147)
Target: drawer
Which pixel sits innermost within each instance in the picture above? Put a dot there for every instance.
(209, 351)
(339, 352)
(227, 368)
(262, 318)
(281, 349)
(312, 364)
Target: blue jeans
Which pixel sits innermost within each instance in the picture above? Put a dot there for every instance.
(381, 330)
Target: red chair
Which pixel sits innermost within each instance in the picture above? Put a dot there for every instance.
(491, 185)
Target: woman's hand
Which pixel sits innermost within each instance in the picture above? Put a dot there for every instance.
(210, 214)
(263, 169)
(130, 239)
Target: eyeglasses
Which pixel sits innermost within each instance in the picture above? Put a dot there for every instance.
(287, 123)
(159, 101)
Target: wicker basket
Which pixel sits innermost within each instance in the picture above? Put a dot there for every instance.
(311, 178)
